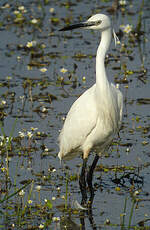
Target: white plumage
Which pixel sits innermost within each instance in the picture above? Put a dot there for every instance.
(95, 117)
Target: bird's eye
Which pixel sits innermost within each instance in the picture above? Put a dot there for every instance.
(98, 22)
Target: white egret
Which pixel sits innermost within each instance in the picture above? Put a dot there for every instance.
(95, 117)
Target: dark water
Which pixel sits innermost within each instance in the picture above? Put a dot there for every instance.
(40, 98)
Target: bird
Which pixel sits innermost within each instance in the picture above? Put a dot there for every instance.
(96, 116)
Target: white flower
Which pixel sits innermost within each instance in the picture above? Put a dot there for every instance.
(30, 201)
(51, 10)
(34, 21)
(58, 189)
(54, 170)
(38, 187)
(122, 2)
(63, 70)
(21, 134)
(44, 109)
(33, 129)
(56, 219)
(43, 70)
(21, 8)
(136, 193)
(84, 78)
(41, 226)
(126, 28)
(46, 149)
(53, 198)
(3, 102)
(21, 193)
(8, 139)
(117, 86)
(31, 44)
(29, 134)
(3, 169)
(22, 97)
(16, 12)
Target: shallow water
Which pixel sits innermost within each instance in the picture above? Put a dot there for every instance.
(35, 93)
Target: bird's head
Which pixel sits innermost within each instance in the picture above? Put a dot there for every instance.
(96, 22)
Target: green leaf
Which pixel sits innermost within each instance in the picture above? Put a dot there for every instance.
(49, 204)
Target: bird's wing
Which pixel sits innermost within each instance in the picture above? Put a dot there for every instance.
(80, 121)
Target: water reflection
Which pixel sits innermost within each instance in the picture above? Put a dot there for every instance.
(67, 222)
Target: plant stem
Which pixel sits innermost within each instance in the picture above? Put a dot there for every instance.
(131, 213)
(66, 196)
(124, 211)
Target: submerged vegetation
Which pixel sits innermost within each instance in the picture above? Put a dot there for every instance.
(41, 75)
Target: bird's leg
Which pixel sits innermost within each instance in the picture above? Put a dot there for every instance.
(89, 178)
(82, 182)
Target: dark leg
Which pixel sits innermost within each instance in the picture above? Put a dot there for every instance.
(82, 182)
(90, 177)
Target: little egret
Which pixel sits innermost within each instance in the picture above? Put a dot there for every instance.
(95, 117)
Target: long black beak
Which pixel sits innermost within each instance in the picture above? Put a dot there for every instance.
(79, 25)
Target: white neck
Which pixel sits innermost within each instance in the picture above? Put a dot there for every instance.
(101, 77)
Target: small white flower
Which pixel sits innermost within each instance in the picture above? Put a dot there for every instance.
(22, 97)
(51, 10)
(29, 134)
(58, 189)
(63, 197)
(34, 21)
(127, 149)
(63, 70)
(63, 118)
(21, 134)
(117, 86)
(8, 78)
(3, 169)
(136, 193)
(38, 187)
(45, 200)
(46, 149)
(3, 102)
(54, 170)
(126, 28)
(43, 70)
(21, 8)
(30, 201)
(33, 129)
(16, 12)
(44, 109)
(21, 193)
(53, 198)
(56, 219)
(2, 138)
(41, 226)
(31, 44)
(122, 2)
(8, 139)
